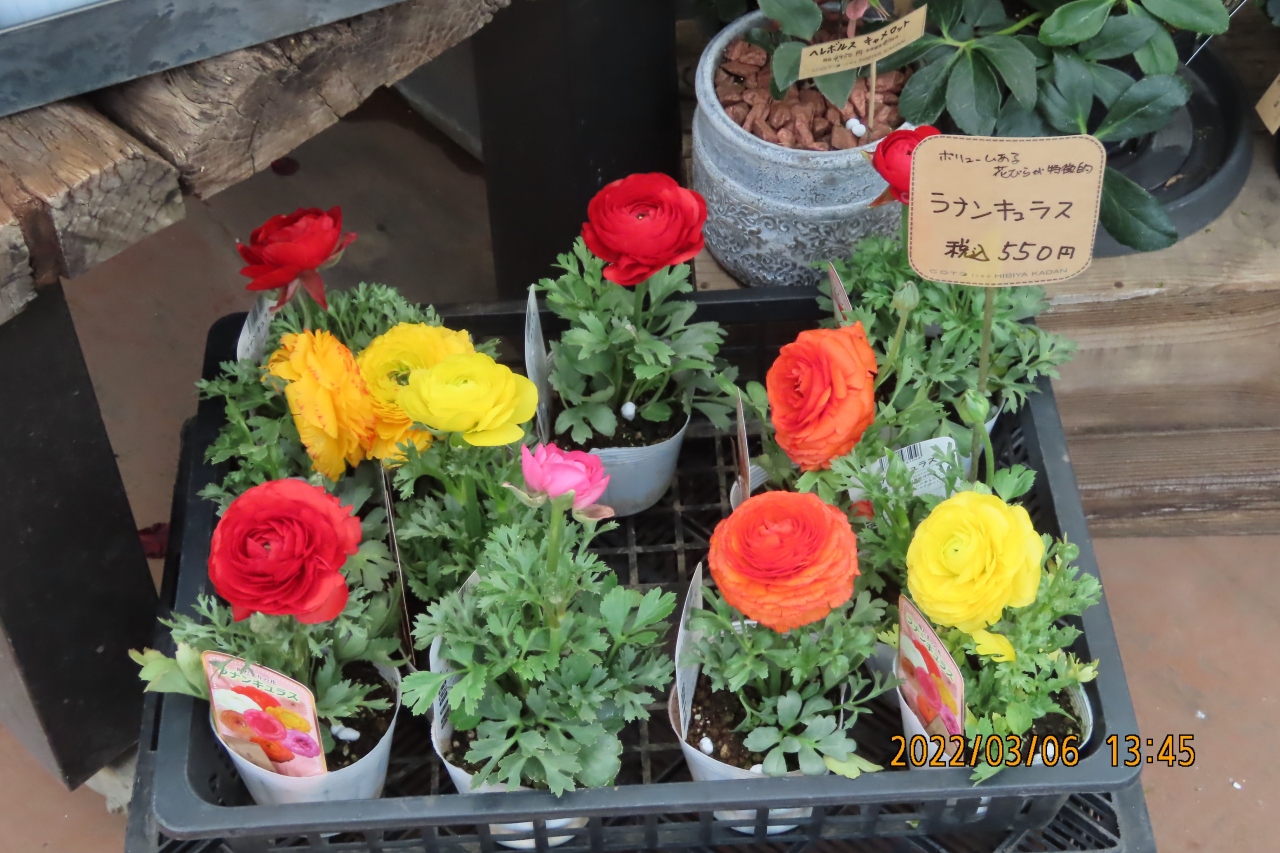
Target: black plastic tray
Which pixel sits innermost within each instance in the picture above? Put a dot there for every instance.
(196, 794)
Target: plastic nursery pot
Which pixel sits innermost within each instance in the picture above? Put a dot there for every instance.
(639, 476)
(1080, 707)
(362, 780)
(773, 211)
(702, 767)
(442, 733)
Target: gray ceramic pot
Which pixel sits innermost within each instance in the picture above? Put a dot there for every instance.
(773, 211)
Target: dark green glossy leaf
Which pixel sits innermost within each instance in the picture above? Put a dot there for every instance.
(786, 64)
(837, 86)
(945, 14)
(1159, 55)
(1042, 53)
(1121, 35)
(1071, 76)
(1145, 106)
(1015, 120)
(973, 95)
(1015, 64)
(1198, 16)
(925, 96)
(1075, 22)
(1053, 107)
(799, 18)
(1133, 216)
(984, 13)
(913, 52)
(1109, 83)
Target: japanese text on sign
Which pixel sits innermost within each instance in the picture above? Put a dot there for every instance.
(830, 57)
(989, 211)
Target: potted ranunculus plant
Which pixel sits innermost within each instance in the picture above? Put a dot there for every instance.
(304, 588)
(539, 660)
(771, 676)
(630, 370)
(1002, 595)
(780, 160)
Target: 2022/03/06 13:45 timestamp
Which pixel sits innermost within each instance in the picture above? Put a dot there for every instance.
(1128, 751)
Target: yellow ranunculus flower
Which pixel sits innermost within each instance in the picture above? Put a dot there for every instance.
(330, 404)
(971, 558)
(386, 364)
(472, 394)
(994, 646)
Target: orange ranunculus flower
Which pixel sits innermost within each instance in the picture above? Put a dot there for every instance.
(822, 394)
(327, 396)
(784, 559)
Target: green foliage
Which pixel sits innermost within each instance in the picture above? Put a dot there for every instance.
(355, 316)
(549, 659)
(1042, 72)
(802, 691)
(1272, 8)
(940, 345)
(618, 349)
(450, 498)
(1008, 698)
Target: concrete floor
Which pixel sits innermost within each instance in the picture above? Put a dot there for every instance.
(1196, 617)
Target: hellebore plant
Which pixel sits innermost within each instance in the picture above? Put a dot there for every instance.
(1036, 68)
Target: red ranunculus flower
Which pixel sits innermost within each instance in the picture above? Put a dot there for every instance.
(279, 549)
(892, 159)
(643, 223)
(287, 250)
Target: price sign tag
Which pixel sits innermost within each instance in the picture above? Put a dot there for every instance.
(832, 56)
(1269, 107)
(991, 212)
(932, 688)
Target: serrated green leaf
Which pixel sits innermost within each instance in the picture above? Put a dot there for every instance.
(1015, 64)
(1109, 83)
(1019, 122)
(799, 18)
(1075, 22)
(1144, 107)
(1133, 216)
(837, 87)
(810, 762)
(973, 96)
(924, 97)
(762, 738)
(657, 412)
(1159, 55)
(1121, 35)
(775, 763)
(786, 64)
(1208, 17)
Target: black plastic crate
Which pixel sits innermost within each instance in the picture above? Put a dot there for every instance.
(196, 795)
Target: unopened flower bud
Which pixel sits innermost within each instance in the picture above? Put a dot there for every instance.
(973, 408)
(907, 298)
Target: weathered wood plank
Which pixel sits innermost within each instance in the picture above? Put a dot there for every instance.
(223, 119)
(81, 188)
(1180, 483)
(17, 284)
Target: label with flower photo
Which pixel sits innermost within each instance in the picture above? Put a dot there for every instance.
(932, 688)
(264, 717)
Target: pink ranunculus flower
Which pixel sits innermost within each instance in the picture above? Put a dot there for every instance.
(553, 471)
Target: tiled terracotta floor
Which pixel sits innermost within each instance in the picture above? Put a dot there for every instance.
(1196, 617)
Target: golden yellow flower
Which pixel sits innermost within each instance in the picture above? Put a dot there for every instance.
(386, 364)
(472, 394)
(330, 404)
(972, 557)
(994, 646)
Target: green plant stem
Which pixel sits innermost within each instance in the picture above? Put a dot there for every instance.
(891, 360)
(303, 299)
(905, 229)
(984, 368)
(1025, 22)
(471, 509)
(642, 289)
(554, 535)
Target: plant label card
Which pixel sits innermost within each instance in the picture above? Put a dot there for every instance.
(1269, 107)
(537, 366)
(927, 462)
(873, 46)
(263, 716)
(993, 212)
(252, 343)
(744, 455)
(839, 295)
(932, 689)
